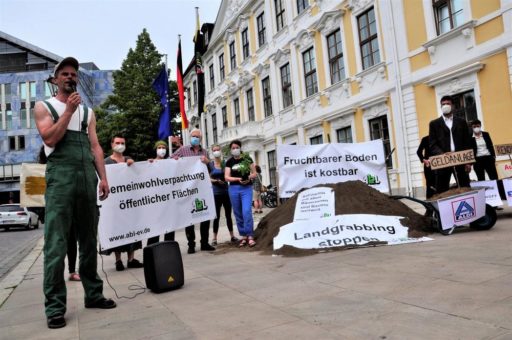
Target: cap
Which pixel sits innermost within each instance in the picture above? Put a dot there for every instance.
(160, 142)
(69, 61)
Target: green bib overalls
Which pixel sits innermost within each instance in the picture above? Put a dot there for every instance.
(71, 185)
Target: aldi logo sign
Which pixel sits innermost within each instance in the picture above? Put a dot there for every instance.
(464, 209)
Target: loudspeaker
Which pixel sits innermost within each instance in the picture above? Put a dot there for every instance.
(163, 266)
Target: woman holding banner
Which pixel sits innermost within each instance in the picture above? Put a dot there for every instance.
(239, 172)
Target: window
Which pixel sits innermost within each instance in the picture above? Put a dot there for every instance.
(212, 77)
(194, 88)
(308, 59)
(47, 91)
(224, 117)
(250, 105)
(368, 41)
(221, 67)
(214, 128)
(316, 140)
(272, 167)
(465, 106)
(302, 5)
(267, 97)
(280, 19)
(23, 91)
(189, 98)
(286, 86)
(27, 91)
(236, 108)
(245, 43)
(5, 107)
(448, 14)
(16, 143)
(232, 55)
(344, 135)
(260, 20)
(335, 51)
(379, 130)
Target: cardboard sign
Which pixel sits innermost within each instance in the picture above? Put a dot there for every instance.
(313, 203)
(32, 184)
(503, 149)
(452, 159)
(504, 169)
(507, 185)
(492, 195)
(461, 209)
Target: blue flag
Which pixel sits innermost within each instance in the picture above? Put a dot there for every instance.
(161, 86)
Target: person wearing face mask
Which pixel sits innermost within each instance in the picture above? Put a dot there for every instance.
(194, 149)
(161, 152)
(118, 145)
(485, 157)
(239, 172)
(220, 193)
(449, 133)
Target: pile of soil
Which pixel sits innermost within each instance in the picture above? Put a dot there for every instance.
(451, 192)
(353, 197)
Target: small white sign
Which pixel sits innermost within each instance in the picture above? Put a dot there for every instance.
(461, 209)
(492, 195)
(343, 230)
(507, 185)
(314, 203)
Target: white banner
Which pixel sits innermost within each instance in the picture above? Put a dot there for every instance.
(149, 199)
(461, 209)
(492, 195)
(314, 203)
(32, 184)
(507, 185)
(343, 230)
(304, 166)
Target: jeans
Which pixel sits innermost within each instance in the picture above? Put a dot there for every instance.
(241, 200)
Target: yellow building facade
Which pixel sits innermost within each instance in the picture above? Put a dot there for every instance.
(330, 71)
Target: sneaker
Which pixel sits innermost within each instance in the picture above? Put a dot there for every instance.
(207, 247)
(234, 239)
(102, 303)
(191, 250)
(56, 321)
(214, 243)
(119, 266)
(134, 264)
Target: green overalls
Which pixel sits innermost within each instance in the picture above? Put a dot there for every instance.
(71, 185)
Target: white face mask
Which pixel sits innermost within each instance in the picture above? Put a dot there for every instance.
(217, 154)
(119, 148)
(235, 152)
(446, 109)
(161, 152)
(477, 130)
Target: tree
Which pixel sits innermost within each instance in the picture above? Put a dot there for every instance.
(133, 109)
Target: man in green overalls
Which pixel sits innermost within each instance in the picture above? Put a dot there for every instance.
(75, 157)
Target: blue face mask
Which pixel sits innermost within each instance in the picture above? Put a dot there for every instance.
(195, 140)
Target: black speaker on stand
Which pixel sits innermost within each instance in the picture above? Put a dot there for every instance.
(163, 266)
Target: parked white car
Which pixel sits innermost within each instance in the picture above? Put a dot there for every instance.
(12, 215)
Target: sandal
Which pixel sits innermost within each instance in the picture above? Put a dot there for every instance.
(74, 277)
(243, 243)
(252, 243)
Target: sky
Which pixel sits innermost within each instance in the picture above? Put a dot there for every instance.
(102, 31)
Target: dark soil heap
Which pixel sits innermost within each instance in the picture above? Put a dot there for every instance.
(353, 197)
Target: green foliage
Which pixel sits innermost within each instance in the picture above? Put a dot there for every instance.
(134, 108)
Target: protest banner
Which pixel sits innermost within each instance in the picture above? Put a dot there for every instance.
(304, 166)
(150, 199)
(503, 149)
(507, 185)
(452, 159)
(504, 169)
(461, 209)
(32, 184)
(343, 230)
(492, 195)
(313, 203)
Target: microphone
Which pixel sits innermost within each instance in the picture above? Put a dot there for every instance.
(72, 83)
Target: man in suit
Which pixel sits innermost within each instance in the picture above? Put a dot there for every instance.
(448, 134)
(423, 153)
